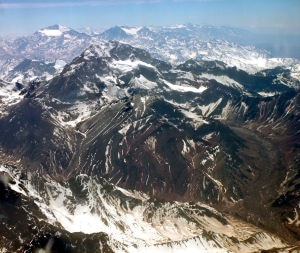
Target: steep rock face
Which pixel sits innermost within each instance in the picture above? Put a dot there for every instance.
(29, 133)
(201, 131)
(155, 150)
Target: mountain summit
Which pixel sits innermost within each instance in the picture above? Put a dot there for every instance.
(55, 30)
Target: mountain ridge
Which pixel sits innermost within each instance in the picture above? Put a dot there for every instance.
(165, 43)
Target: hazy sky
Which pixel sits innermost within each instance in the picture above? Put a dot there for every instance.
(23, 16)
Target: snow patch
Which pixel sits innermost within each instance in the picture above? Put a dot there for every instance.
(51, 33)
(8, 97)
(143, 83)
(6, 178)
(267, 94)
(75, 114)
(181, 88)
(59, 65)
(226, 111)
(128, 65)
(131, 30)
(207, 110)
(225, 80)
(134, 223)
(197, 120)
(55, 32)
(125, 129)
(185, 149)
(99, 50)
(151, 143)
(295, 71)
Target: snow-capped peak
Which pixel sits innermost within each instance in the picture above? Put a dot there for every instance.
(99, 50)
(131, 30)
(54, 31)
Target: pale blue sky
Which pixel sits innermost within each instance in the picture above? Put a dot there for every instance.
(27, 16)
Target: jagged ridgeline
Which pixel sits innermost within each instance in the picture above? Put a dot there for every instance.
(44, 53)
(123, 152)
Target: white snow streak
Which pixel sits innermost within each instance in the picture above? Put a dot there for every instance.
(131, 30)
(225, 80)
(143, 83)
(181, 88)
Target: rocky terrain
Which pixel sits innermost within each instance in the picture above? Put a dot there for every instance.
(124, 152)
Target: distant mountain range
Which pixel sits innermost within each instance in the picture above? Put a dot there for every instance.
(172, 44)
(123, 152)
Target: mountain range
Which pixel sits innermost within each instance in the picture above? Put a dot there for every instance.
(122, 151)
(57, 45)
